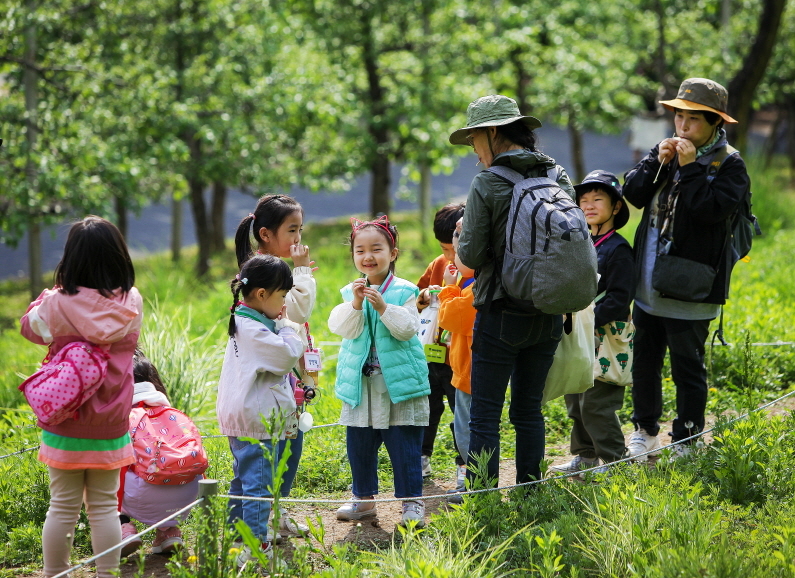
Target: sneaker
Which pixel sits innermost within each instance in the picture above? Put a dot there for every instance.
(290, 527)
(426, 466)
(455, 498)
(590, 473)
(356, 510)
(413, 511)
(245, 556)
(575, 465)
(680, 451)
(128, 529)
(640, 442)
(167, 540)
(461, 478)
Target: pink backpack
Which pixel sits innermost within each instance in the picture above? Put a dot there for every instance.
(65, 381)
(168, 446)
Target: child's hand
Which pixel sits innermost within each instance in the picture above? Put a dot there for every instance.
(283, 313)
(375, 298)
(300, 255)
(423, 299)
(358, 293)
(450, 275)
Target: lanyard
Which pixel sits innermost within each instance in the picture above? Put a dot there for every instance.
(605, 238)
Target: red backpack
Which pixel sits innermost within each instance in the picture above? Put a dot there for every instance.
(65, 381)
(168, 446)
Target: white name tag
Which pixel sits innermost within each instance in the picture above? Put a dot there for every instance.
(313, 360)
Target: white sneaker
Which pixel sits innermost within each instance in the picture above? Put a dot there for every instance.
(575, 465)
(356, 510)
(461, 478)
(426, 466)
(245, 556)
(681, 451)
(291, 527)
(413, 511)
(641, 442)
(603, 469)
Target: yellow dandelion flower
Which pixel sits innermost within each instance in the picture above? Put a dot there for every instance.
(192, 559)
(713, 389)
(234, 551)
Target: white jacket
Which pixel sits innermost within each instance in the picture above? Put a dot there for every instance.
(254, 378)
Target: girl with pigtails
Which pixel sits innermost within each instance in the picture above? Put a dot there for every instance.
(264, 346)
(274, 228)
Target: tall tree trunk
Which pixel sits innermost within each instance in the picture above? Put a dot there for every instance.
(742, 87)
(379, 131)
(31, 105)
(772, 139)
(523, 79)
(176, 228)
(660, 61)
(577, 153)
(218, 244)
(198, 206)
(426, 221)
(120, 207)
(791, 138)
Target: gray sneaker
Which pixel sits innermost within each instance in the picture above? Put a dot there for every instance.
(426, 466)
(356, 510)
(413, 511)
(575, 465)
(288, 526)
(641, 442)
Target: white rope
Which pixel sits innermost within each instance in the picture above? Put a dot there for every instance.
(128, 540)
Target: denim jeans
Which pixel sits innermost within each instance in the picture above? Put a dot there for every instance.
(404, 446)
(440, 377)
(517, 346)
(253, 475)
(296, 449)
(461, 423)
(685, 340)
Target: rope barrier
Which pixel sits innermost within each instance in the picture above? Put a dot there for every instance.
(514, 486)
(417, 498)
(30, 449)
(129, 539)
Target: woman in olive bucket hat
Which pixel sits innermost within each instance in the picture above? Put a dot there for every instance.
(682, 238)
(509, 342)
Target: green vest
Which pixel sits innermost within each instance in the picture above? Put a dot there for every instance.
(403, 363)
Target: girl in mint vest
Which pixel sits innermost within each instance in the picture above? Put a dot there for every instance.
(382, 374)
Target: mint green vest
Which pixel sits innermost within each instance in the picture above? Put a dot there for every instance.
(403, 363)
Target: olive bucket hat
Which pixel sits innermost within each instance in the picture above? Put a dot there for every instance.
(701, 94)
(491, 110)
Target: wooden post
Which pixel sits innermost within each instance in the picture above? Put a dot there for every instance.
(207, 489)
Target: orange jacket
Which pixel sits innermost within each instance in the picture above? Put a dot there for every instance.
(457, 315)
(434, 273)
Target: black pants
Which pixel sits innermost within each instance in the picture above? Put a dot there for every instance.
(685, 340)
(440, 376)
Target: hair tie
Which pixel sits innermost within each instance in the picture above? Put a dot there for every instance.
(382, 222)
(252, 215)
(244, 280)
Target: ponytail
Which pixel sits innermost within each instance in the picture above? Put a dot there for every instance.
(235, 285)
(244, 238)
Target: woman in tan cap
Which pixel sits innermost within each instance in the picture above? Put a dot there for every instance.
(689, 187)
(509, 343)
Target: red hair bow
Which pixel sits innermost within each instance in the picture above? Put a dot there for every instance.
(382, 221)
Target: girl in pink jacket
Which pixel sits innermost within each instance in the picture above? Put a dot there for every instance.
(93, 300)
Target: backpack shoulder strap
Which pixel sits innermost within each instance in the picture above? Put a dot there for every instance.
(718, 158)
(554, 173)
(506, 173)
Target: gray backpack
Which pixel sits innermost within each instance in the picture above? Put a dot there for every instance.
(550, 261)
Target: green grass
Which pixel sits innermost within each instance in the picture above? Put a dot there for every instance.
(685, 519)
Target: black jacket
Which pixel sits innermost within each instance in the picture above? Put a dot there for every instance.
(703, 210)
(617, 280)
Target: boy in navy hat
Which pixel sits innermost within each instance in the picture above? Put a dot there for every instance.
(596, 434)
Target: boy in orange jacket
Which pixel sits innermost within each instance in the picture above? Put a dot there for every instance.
(439, 374)
(457, 315)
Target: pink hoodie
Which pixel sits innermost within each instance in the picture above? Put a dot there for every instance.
(56, 319)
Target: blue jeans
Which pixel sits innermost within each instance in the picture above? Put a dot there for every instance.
(520, 347)
(404, 446)
(253, 475)
(463, 401)
(296, 449)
